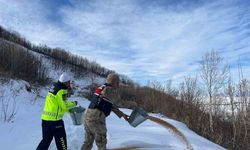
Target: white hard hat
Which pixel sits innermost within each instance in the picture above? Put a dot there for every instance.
(64, 78)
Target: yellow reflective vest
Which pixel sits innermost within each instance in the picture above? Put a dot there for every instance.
(56, 105)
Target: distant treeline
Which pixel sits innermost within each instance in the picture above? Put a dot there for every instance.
(17, 62)
(62, 57)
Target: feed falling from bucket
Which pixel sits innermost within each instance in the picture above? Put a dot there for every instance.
(137, 117)
(76, 115)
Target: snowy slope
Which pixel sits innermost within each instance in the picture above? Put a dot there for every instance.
(24, 131)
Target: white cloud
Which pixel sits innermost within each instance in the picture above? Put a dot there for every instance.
(29, 19)
(143, 41)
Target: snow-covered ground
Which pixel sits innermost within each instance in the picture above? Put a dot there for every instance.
(24, 131)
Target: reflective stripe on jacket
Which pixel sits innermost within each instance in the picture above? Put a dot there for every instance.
(56, 105)
(102, 93)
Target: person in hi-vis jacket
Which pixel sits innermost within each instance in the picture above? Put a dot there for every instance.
(56, 105)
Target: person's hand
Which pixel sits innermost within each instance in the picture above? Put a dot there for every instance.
(126, 117)
(70, 92)
(76, 102)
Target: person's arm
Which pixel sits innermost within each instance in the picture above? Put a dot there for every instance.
(119, 113)
(115, 109)
(63, 102)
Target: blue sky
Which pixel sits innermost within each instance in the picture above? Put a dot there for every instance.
(143, 39)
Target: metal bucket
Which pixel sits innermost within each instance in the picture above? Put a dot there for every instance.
(137, 117)
(76, 115)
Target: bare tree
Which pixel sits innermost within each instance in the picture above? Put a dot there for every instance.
(231, 92)
(244, 93)
(170, 90)
(190, 95)
(214, 74)
(8, 107)
(190, 91)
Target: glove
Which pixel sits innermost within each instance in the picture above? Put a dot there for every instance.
(76, 102)
(70, 92)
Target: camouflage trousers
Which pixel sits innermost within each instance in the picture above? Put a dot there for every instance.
(95, 130)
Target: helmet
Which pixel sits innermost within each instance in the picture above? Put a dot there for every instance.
(64, 78)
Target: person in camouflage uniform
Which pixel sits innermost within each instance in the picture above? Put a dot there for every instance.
(99, 108)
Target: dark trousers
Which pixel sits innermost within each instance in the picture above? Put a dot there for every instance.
(53, 129)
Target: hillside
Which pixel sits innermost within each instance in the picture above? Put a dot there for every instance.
(16, 57)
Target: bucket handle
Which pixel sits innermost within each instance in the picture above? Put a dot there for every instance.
(75, 117)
